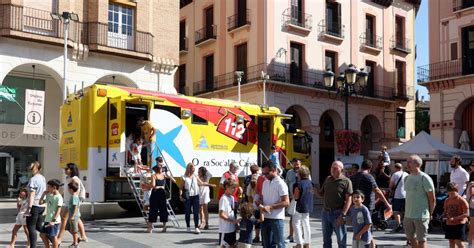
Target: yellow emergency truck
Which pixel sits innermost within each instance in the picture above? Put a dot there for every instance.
(96, 121)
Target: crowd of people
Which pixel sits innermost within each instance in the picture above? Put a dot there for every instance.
(42, 208)
(257, 210)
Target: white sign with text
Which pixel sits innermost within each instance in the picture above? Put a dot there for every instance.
(34, 112)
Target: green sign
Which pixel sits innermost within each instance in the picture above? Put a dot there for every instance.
(7, 93)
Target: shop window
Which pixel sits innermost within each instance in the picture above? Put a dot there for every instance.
(12, 98)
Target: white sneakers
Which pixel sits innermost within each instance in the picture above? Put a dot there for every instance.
(196, 230)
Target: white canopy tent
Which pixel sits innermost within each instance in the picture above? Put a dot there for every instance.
(429, 149)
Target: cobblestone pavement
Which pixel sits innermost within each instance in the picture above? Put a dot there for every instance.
(114, 227)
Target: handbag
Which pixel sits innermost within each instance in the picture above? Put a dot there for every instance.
(292, 207)
(185, 192)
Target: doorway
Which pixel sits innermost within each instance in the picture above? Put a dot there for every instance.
(468, 50)
(264, 138)
(326, 146)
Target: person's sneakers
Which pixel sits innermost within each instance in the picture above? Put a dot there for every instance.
(256, 240)
(197, 231)
(289, 239)
(399, 228)
(189, 229)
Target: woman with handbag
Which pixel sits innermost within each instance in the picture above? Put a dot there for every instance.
(158, 198)
(303, 195)
(189, 192)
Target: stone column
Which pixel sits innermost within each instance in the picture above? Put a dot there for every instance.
(314, 131)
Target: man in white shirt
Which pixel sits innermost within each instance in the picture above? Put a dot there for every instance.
(397, 184)
(275, 200)
(459, 175)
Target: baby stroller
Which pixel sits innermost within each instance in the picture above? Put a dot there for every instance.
(437, 220)
(379, 215)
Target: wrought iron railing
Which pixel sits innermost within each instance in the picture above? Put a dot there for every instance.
(462, 4)
(401, 44)
(40, 22)
(297, 18)
(371, 40)
(404, 92)
(183, 44)
(282, 74)
(206, 33)
(126, 38)
(335, 29)
(238, 20)
(440, 70)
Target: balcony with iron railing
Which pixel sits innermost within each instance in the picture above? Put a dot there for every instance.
(297, 21)
(283, 74)
(459, 5)
(109, 38)
(371, 42)
(33, 24)
(205, 35)
(439, 71)
(331, 30)
(37, 25)
(404, 92)
(400, 44)
(238, 21)
(183, 45)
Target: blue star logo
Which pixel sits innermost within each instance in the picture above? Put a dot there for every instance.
(165, 142)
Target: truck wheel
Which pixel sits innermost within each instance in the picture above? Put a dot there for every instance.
(130, 206)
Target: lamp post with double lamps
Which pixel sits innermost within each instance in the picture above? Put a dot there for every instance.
(346, 84)
(65, 18)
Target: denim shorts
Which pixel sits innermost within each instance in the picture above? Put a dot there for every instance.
(51, 231)
(471, 212)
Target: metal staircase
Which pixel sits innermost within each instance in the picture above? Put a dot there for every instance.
(138, 195)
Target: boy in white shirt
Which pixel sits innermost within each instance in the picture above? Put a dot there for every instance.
(227, 220)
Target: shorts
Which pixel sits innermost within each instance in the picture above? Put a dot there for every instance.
(257, 214)
(398, 205)
(146, 197)
(471, 212)
(227, 239)
(244, 245)
(418, 227)
(72, 225)
(20, 219)
(360, 244)
(455, 232)
(51, 231)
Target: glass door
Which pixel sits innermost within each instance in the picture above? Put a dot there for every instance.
(120, 27)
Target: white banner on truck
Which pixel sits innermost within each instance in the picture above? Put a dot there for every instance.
(34, 112)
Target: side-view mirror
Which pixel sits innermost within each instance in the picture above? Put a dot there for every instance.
(289, 128)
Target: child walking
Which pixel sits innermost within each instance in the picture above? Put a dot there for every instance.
(52, 221)
(456, 213)
(227, 220)
(22, 207)
(359, 218)
(73, 210)
(246, 224)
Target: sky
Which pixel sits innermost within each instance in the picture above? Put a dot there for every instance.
(421, 40)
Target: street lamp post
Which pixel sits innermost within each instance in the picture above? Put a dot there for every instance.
(345, 86)
(66, 18)
(239, 75)
(265, 77)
